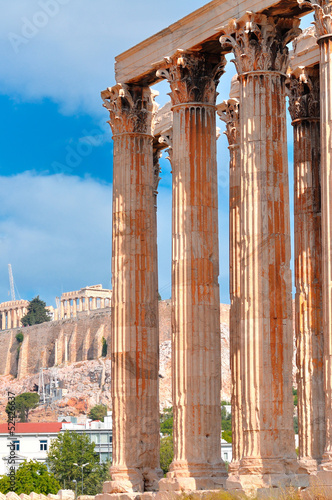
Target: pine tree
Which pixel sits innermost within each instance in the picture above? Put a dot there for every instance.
(37, 313)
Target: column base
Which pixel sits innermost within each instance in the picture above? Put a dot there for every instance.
(252, 483)
(184, 476)
(125, 480)
(307, 465)
(326, 464)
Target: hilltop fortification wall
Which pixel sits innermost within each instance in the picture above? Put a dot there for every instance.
(54, 343)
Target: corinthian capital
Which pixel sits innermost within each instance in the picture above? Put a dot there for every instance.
(259, 42)
(303, 92)
(323, 15)
(131, 107)
(228, 112)
(193, 76)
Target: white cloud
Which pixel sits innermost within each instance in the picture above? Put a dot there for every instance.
(69, 57)
(56, 233)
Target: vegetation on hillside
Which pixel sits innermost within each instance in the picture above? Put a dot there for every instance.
(37, 313)
(23, 403)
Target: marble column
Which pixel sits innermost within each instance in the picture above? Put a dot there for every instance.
(323, 24)
(102, 303)
(304, 109)
(75, 307)
(87, 304)
(14, 318)
(9, 319)
(62, 309)
(196, 370)
(94, 303)
(228, 112)
(266, 343)
(135, 336)
(3, 320)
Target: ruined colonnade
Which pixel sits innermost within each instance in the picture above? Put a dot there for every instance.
(84, 300)
(11, 313)
(261, 331)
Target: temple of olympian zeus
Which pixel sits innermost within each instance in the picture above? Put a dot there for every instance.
(190, 55)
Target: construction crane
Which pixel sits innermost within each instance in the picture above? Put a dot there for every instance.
(11, 281)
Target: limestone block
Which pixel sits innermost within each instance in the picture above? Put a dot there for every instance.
(321, 478)
(42, 497)
(177, 484)
(34, 496)
(53, 497)
(86, 497)
(121, 486)
(118, 496)
(12, 496)
(23, 496)
(66, 494)
(2, 496)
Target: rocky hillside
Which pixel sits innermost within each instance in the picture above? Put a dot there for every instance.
(86, 383)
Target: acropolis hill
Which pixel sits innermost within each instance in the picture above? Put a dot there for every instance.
(74, 346)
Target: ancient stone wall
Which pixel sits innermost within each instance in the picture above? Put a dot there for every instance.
(54, 343)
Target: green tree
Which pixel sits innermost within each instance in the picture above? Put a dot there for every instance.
(104, 348)
(295, 396)
(166, 422)
(37, 313)
(226, 423)
(19, 337)
(23, 404)
(31, 476)
(166, 453)
(69, 448)
(98, 412)
(5, 485)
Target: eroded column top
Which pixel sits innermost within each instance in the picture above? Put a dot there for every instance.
(131, 107)
(259, 42)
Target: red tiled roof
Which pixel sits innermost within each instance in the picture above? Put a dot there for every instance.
(32, 427)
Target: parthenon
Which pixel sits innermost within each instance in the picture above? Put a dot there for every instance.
(190, 56)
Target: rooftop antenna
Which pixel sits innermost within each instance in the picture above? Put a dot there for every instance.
(11, 281)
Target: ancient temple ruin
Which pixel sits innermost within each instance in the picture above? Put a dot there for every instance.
(190, 55)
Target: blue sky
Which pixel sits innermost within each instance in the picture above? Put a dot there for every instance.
(56, 148)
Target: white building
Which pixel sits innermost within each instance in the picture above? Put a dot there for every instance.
(31, 441)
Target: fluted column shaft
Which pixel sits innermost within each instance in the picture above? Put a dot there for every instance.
(304, 108)
(266, 312)
(3, 320)
(229, 113)
(195, 290)
(323, 25)
(196, 370)
(308, 280)
(266, 341)
(326, 185)
(135, 339)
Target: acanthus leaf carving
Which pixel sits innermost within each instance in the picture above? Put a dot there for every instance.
(304, 93)
(259, 42)
(229, 113)
(322, 14)
(131, 107)
(193, 76)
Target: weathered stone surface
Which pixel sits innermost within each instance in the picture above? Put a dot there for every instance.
(135, 339)
(259, 45)
(200, 27)
(304, 108)
(66, 494)
(13, 496)
(229, 113)
(195, 324)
